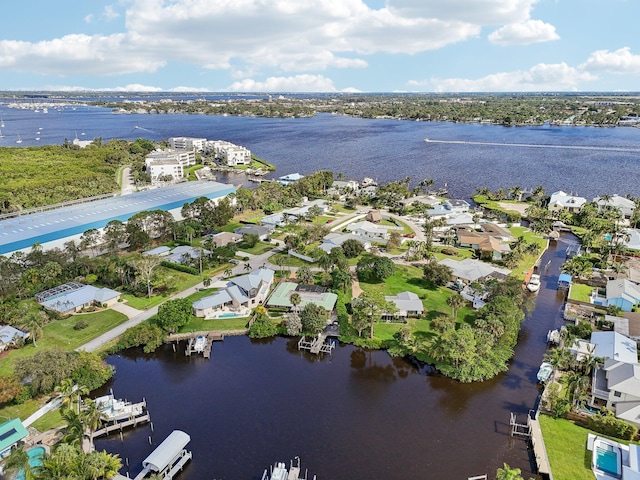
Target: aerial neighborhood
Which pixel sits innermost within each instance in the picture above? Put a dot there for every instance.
(181, 257)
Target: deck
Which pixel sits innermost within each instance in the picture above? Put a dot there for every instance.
(132, 421)
(316, 345)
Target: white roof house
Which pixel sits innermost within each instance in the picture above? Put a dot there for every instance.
(368, 229)
(623, 294)
(470, 270)
(74, 296)
(623, 204)
(9, 335)
(188, 143)
(407, 303)
(615, 346)
(563, 201)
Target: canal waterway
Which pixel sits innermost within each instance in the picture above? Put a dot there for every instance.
(354, 414)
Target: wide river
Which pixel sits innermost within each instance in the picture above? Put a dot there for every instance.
(354, 414)
(587, 160)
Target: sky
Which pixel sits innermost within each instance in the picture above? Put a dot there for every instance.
(321, 45)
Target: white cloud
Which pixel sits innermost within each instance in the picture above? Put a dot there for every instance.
(297, 83)
(541, 77)
(260, 36)
(525, 33)
(621, 61)
(134, 87)
(110, 12)
(88, 18)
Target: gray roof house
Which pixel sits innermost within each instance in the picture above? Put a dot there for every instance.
(623, 294)
(615, 346)
(241, 294)
(73, 297)
(407, 303)
(183, 252)
(263, 232)
(335, 239)
(9, 335)
(618, 384)
(470, 270)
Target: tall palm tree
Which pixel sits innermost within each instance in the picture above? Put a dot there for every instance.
(92, 417)
(456, 301)
(247, 267)
(295, 300)
(34, 322)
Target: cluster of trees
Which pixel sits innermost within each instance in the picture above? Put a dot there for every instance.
(503, 109)
(38, 176)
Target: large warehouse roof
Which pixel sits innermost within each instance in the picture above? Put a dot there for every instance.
(24, 231)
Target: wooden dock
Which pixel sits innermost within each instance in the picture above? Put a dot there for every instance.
(192, 348)
(316, 345)
(132, 421)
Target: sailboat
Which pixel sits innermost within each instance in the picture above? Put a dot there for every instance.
(19, 140)
(1, 135)
(1, 123)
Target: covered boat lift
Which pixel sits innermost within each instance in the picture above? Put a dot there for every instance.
(169, 457)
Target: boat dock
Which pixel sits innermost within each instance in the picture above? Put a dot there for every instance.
(131, 421)
(316, 345)
(168, 458)
(199, 344)
(120, 414)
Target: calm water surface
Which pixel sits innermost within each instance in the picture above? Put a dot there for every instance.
(354, 414)
(382, 149)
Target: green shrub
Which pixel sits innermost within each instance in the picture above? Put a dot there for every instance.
(181, 268)
(81, 325)
(609, 425)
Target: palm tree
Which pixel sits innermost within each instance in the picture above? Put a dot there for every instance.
(247, 267)
(227, 272)
(34, 322)
(18, 461)
(456, 301)
(516, 192)
(92, 417)
(295, 300)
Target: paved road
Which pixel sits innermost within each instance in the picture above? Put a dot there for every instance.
(256, 261)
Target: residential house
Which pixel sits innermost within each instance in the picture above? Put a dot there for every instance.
(369, 230)
(183, 254)
(617, 385)
(408, 305)
(449, 207)
(239, 296)
(11, 432)
(72, 297)
(470, 270)
(615, 346)
(560, 201)
(288, 179)
(336, 239)
(421, 199)
(281, 296)
(222, 239)
(9, 336)
(342, 188)
(488, 245)
(263, 232)
(623, 294)
(160, 251)
(624, 205)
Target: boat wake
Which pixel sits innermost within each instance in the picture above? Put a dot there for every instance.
(535, 145)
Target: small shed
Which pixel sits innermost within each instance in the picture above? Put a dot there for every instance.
(374, 216)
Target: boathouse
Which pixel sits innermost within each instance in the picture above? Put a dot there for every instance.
(170, 456)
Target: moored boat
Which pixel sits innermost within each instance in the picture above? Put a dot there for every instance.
(279, 471)
(533, 285)
(544, 372)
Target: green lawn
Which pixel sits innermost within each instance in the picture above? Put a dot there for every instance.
(290, 261)
(258, 249)
(566, 445)
(60, 334)
(408, 278)
(580, 292)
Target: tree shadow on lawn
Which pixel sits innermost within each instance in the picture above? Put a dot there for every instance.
(422, 283)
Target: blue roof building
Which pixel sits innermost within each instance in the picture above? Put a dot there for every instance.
(72, 297)
(11, 432)
(24, 231)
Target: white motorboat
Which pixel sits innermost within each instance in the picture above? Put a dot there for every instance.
(200, 344)
(279, 471)
(544, 372)
(115, 410)
(533, 285)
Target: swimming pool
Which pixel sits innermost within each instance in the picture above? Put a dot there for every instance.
(228, 315)
(608, 459)
(35, 459)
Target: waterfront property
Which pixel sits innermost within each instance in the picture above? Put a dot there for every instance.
(119, 414)
(471, 270)
(168, 163)
(51, 228)
(11, 432)
(72, 297)
(562, 202)
(611, 460)
(616, 385)
(239, 297)
(625, 206)
(408, 305)
(281, 296)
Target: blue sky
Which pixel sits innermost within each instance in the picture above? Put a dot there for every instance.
(321, 45)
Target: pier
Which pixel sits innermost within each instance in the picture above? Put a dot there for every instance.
(316, 345)
(132, 421)
(199, 344)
